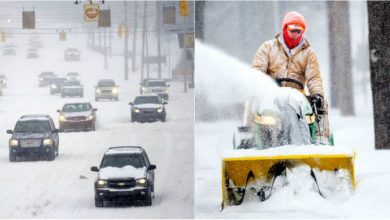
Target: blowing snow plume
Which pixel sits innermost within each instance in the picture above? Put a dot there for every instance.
(222, 82)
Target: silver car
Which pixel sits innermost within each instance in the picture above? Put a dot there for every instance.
(106, 89)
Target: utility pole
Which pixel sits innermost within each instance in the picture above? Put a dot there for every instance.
(158, 37)
(134, 36)
(105, 49)
(143, 43)
(125, 52)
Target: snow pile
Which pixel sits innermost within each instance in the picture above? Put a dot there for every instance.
(126, 171)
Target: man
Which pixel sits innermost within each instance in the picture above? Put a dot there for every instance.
(290, 60)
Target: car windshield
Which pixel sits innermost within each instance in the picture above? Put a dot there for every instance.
(156, 84)
(121, 160)
(32, 126)
(72, 83)
(72, 74)
(78, 107)
(146, 100)
(106, 83)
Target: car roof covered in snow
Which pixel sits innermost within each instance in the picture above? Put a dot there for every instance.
(124, 150)
(34, 117)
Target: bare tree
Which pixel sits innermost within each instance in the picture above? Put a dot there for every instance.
(379, 43)
(340, 57)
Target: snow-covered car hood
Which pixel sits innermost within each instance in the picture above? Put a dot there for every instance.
(75, 114)
(28, 135)
(124, 172)
(148, 105)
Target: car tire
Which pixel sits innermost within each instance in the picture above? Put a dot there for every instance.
(12, 157)
(132, 118)
(52, 156)
(96, 99)
(93, 127)
(148, 199)
(163, 118)
(99, 202)
(116, 99)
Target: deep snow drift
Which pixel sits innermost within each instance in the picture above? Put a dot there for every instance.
(220, 78)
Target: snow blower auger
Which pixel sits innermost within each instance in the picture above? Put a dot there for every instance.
(279, 138)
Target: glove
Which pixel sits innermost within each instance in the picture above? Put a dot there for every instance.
(318, 101)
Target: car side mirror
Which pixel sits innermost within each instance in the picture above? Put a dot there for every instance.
(94, 109)
(130, 103)
(169, 85)
(56, 130)
(165, 102)
(58, 110)
(152, 167)
(94, 169)
(10, 132)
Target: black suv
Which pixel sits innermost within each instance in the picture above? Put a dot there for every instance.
(34, 135)
(125, 173)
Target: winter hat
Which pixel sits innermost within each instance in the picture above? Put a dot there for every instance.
(293, 20)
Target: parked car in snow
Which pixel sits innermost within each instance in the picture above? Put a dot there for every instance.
(106, 89)
(148, 108)
(72, 88)
(34, 135)
(45, 78)
(72, 54)
(155, 86)
(56, 85)
(77, 116)
(125, 172)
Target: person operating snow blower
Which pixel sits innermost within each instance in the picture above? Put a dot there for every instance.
(290, 60)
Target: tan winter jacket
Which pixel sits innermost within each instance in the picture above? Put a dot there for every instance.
(275, 59)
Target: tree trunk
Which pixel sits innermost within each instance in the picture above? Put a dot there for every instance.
(379, 43)
(340, 57)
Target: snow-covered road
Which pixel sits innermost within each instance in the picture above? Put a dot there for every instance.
(63, 188)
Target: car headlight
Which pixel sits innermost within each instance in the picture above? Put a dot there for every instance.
(159, 110)
(40, 79)
(53, 86)
(166, 90)
(114, 91)
(142, 182)
(98, 90)
(265, 120)
(101, 183)
(13, 143)
(143, 89)
(136, 110)
(47, 141)
(62, 118)
(90, 117)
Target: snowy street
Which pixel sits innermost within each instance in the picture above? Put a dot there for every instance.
(63, 188)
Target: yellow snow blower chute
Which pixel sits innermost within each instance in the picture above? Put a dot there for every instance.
(241, 168)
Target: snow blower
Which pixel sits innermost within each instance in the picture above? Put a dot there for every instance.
(277, 138)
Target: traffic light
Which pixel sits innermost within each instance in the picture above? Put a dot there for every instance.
(123, 31)
(183, 5)
(62, 36)
(28, 19)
